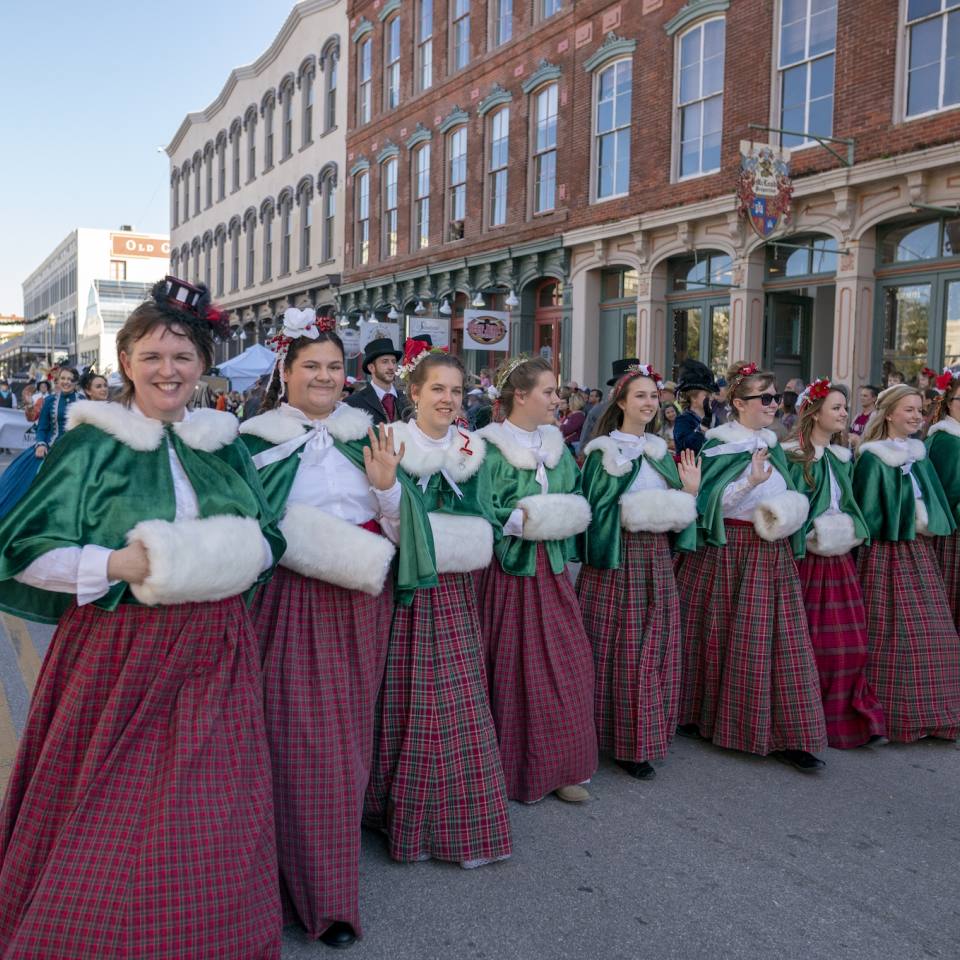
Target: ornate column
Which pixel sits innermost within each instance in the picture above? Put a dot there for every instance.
(853, 345)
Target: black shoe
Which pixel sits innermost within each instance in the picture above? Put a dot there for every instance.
(641, 770)
(338, 935)
(689, 730)
(800, 760)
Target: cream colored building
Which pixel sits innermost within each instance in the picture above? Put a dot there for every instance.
(256, 178)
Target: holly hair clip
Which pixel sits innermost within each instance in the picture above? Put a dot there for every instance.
(817, 390)
(413, 352)
(641, 370)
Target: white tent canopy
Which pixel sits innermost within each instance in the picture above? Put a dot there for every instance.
(244, 370)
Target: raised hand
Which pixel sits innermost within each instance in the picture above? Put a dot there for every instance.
(689, 467)
(760, 470)
(380, 460)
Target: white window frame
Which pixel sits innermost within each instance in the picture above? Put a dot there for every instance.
(541, 9)
(250, 226)
(267, 269)
(361, 190)
(454, 187)
(626, 130)
(425, 46)
(903, 57)
(536, 153)
(330, 81)
(268, 140)
(306, 226)
(455, 21)
(364, 80)
(420, 218)
(286, 123)
(391, 63)
(307, 97)
(500, 173)
(501, 22)
(286, 234)
(328, 194)
(390, 209)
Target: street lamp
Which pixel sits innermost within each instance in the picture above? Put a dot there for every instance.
(52, 326)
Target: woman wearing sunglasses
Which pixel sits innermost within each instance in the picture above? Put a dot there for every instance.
(750, 678)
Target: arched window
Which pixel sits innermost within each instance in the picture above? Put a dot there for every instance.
(266, 218)
(235, 128)
(197, 163)
(421, 197)
(221, 150)
(185, 180)
(332, 62)
(195, 250)
(361, 191)
(174, 261)
(499, 159)
(286, 230)
(457, 182)
(220, 242)
(305, 80)
(175, 198)
(250, 229)
(328, 201)
(207, 259)
(391, 63)
(250, 125)
(364, 80)
(388, 212)
(544, 166)
(208, 168)
(286, 106)
(267, 109)
(305, 202)
(234, 230)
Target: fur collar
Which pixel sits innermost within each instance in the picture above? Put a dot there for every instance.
(654, 448)
(946, 425)
(843, 454)
(521, 457)
(732, 431)
(420, 460)
(895, 454)
(276, 427)
(204, 429)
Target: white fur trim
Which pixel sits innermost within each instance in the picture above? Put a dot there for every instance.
(346, 423)
(732, 431)
(192, 561)
(521, 457)
(129, 427)
(207, 430)
(921, 518)
(843, 454)
(833, 535)
(461, 544)
(324, 547)
(657, 511)
(780, 516)
(554, 516)
(946, 425)
(654, 448)
(423, 461)
(895, 454)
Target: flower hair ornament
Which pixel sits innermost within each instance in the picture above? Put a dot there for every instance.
(296, 324)
(413, 352)
(639, 370)
(189, 303)
(942, 381)
(817, 390)
(747, 370)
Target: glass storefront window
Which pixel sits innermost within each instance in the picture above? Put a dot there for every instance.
(619, 284)
(951, 238)
(951, 343)
(719, 338)
(802, 257)
(907, 244)
(906, 327)
(702, 272)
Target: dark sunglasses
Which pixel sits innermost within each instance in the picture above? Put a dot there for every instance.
(765, 398)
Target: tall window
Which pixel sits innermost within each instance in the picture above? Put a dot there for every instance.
(613, 130)
(235, 159)
(502, 11)
(388, 197)
(808, 39)
(208, 167)
(362, 238)
(364, 81)
(457, 181)
(186, 192)
(329, 203)
(549, 7)
(330, 98)
(176, 200)
(499, 158)
(196, 184)
(235, 256)
(933, 64)
(286, 234)
(700, 97)
(221, 244)
(306, 120)
(421, 197)
(306, 224)
(250, 227)
(268, 111)
(287, 121)
(221, 169)
(207, 265)
(196, 261)
(391, 64)
(545, 149)
(252, 149)
(267, 270)
(460, 33)
(425, 45)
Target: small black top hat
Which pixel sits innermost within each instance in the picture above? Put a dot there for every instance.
(381, 347)
(621, 367)
(694, 375)
(424, 338)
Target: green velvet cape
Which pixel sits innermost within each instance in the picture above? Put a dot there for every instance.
(943, 451)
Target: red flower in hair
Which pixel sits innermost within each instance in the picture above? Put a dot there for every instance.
(819, 389)
(412, 349)
(748, 370)
(326, 324)
(928, 373)
(943, 382)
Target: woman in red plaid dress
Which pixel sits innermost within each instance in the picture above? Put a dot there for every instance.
(324, 619)
(823, 471)
(437, 786)
(750, 679)
(914, 661)
(626, 586)
(539, 663)
(138, 822)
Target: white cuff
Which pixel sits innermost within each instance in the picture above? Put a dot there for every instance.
(92, 580)
(735, 492)
(514, 525)
(389, 501)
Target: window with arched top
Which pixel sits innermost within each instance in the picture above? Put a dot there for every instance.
(185, 180)
(328, 203)
(544, 141)
(421, 197)
(498, 162)
(305, 202)
(286, 121)
(388, 211)
(197, 163)
(286, 230)
(175, 198)
(266, 218)
(234, 254)
(307, 90)
(456, 182)
(391, 63)
(208, 169)
(221, 151)
(250, 229)
(267, 110)
(331, 65)
(361, 193)
(174, 262)
(235, 155)
(250, 123)
(220, 242)
(364, 80)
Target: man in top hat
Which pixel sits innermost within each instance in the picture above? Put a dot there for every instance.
(695, 387)
(620, 367)
(380, 397)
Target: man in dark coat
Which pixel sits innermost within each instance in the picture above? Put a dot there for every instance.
(380, 397)
(695, 387)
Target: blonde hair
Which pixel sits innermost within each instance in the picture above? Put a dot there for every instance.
(886, 402)
(576, 402)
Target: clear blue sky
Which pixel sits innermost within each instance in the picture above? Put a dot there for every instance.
(90, 89)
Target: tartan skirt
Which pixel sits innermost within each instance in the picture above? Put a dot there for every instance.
(437, 786)
(838, 631)
(632, 617)
(749, 679)
(947, 550)
(323, 650)
(540, 678)
(914, 660)
(138, 822)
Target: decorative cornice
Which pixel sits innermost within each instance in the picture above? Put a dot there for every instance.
(544, 73)
(454, 118)
(495, 98)
(389, 150)
(363, 28)
(612, 46)
(389, 7)
(694, 10)
(359, 167)
(420, 135)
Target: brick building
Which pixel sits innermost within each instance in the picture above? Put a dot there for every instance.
(583, 155)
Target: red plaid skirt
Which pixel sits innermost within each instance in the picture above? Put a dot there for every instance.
(750, 680)
(914, 662)
(323, 650)
(947, 550)
(138, 822)
(838, 631)
(540, 675)
(436, 785)
(632, 617)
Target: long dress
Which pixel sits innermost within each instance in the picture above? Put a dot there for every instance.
(138, 822)
(539, 663)
(943, 449)
(832, 596)
(750, 678)
(914, 662)
(323, 624)
(51, 425)
(437, 786)
(628, 592)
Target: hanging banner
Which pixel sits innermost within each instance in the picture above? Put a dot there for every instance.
(764, 187)
(375, 329)
(486, 330)
(351, 342)
(438, 329)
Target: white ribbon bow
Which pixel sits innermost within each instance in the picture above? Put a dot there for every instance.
(628, 451)
(300, 323)
(317, 440)
(424, 482)
(749, 445)
(542, 478)
(907, 470)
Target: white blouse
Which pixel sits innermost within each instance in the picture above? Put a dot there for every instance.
(531, 440)
(631, 447)
(740, 500)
